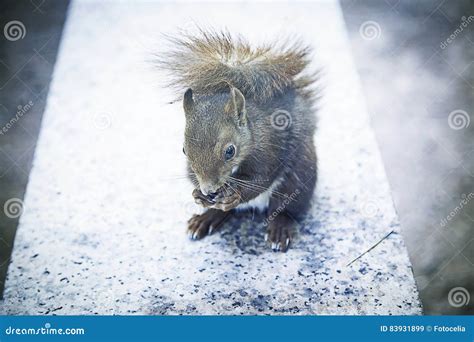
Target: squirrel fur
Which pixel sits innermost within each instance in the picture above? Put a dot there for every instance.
(250, 122)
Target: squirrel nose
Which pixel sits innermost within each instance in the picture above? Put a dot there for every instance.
(205, 189)
(208, 190)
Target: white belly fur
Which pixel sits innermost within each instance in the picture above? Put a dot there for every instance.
(261, 201)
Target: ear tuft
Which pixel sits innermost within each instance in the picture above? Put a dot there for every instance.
(188, 101)
(236, 105)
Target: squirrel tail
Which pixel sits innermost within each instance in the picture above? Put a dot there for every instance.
(210, 61)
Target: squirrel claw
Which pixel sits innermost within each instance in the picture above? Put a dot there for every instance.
(279, 234)
(205, 224)
(201, 200)
(220, 203)
(227, 203)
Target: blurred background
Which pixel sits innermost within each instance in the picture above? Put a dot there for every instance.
(415, 61)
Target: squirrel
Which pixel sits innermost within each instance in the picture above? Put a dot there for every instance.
(250, 122)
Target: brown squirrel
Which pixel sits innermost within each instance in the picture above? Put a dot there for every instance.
(250, 121)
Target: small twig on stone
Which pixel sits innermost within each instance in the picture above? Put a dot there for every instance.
(367, 251)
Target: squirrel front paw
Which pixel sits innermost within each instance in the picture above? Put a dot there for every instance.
(205, 224)
(202, 199)
(227, 203)
(221, 202)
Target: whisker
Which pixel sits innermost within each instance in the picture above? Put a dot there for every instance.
(235, 190)
(255, 186)
(249, 185)
(175, 177)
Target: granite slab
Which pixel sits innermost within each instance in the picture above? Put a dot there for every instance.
(104, 224)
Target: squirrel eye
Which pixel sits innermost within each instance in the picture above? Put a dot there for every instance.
(229, 152)
(184, 151)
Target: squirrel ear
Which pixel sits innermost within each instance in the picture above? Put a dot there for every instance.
(188, 102)
(236, 105)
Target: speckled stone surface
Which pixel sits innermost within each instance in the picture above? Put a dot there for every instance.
(103, 228)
